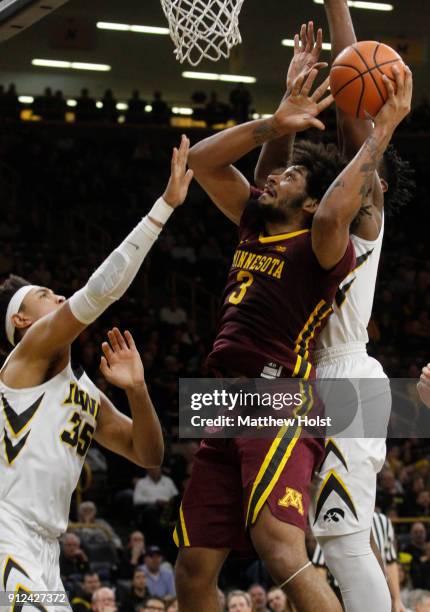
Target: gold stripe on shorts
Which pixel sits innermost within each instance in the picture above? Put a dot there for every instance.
(271, 468)
(180, 534)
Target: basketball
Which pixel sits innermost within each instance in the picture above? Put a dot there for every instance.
(356, 77)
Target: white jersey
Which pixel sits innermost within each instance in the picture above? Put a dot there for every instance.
(45, 432)
(352, 307)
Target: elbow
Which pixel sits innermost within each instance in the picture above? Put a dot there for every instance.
(151, 458)
(194, 157)
(329, 219)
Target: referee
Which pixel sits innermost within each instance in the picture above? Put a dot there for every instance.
(383, 534)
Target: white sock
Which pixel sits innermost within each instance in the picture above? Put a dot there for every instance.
(352, 562)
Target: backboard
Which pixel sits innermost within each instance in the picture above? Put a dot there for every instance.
(16, 15)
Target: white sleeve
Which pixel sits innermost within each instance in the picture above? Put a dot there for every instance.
(112, 279)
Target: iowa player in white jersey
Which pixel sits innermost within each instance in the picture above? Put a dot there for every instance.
(49, 414)
(345, 487)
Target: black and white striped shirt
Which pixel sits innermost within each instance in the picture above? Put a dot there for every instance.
(383, 532)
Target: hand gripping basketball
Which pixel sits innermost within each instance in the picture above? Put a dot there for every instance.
(398, 104)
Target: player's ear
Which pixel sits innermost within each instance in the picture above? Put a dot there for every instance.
(384, 185)
(21, 321)
(310, 205)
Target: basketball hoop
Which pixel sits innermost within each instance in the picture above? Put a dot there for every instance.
(203, 28)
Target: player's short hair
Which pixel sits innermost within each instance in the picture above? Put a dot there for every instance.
(324, 163)
(399, 175)
(7, 291)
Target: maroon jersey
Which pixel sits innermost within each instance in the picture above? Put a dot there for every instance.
(276, 301)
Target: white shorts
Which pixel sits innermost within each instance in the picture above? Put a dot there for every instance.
(29, 563)
(344, 490)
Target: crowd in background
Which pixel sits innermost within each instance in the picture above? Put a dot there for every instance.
(206, 107)
(67, 198)
(53, 106)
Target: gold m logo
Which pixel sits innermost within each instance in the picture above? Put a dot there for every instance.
(293, 499)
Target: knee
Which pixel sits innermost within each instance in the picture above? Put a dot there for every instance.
(282, 559)
(191, 574)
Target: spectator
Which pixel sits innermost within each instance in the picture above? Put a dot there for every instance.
(42, 105)
(133, 556)
(92, 530)
(240, 100)
(109, 111)
(239, 601)
(59, 107)
(11, 106)
(390, 492)
(173, 314)
(86, 109)
(104, 600)
(155, 489)
(172, 604)
(82, 600)
(216, 112)
(160, 113)
(416, 548)
(198, 99)
(277, 600)
(73, 560)
(258, 598)
(136, 109)
(153, 604)
(419, 601)
(137, 593)
(159, 579)
(222, 600)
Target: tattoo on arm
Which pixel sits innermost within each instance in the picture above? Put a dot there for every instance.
(337, 185)
(368, 170)
(264, 132)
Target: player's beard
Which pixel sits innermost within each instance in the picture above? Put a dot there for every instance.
(282, 211)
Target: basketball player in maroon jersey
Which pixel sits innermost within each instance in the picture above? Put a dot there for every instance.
(346, 544)
(293, 251)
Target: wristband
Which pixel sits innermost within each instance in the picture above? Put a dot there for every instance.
(161, 211)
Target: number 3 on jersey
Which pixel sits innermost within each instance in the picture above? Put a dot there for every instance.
(247, 279)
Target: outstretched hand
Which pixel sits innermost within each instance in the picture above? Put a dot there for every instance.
(307, 51)
(180, 177)
(298, 111)
(121, 364)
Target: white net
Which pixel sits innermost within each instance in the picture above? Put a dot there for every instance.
(203, 28)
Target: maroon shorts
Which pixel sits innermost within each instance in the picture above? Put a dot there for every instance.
(232, 479)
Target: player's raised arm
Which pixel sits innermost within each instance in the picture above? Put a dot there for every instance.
(352, 132)
(139, 439)
(212, 159)
(45, 323)
(276, 153)
(353, 188)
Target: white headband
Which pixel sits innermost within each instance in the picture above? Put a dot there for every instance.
(13, 309)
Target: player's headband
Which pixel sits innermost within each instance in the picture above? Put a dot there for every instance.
(13, 309)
